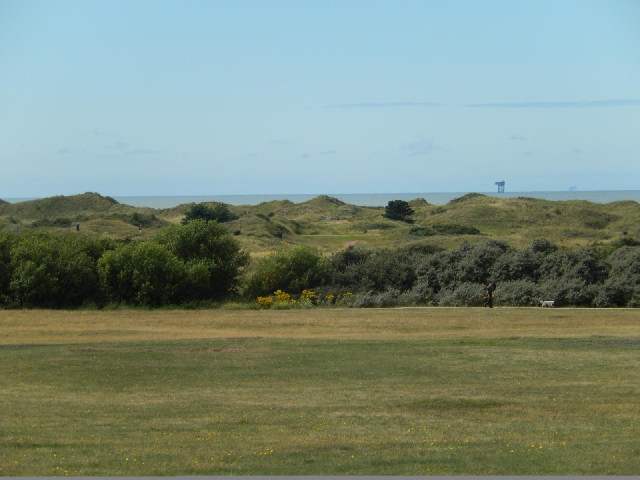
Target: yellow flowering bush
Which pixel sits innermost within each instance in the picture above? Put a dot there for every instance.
(309, 296)
(279, 299)
(344, 298)
(265, 302)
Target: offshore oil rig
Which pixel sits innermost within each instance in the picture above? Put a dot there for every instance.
(500, 186)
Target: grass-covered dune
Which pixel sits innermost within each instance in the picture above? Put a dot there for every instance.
(416, 391)
(330, 224)
(97, 214)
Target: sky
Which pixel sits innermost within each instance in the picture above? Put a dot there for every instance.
(163, 97)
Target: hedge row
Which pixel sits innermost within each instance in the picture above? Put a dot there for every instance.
(594, 276)
(185, 263)
(200, 261)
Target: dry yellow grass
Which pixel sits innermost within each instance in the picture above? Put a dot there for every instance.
(61, 326)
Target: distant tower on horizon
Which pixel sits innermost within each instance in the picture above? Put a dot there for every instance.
(500, 186)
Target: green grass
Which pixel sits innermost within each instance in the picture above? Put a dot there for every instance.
(323, 392)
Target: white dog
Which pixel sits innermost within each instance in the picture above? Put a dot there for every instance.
(547, 303)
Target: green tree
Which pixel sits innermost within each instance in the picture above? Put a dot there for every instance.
(398, 210)
(206, 246)
(200, 211)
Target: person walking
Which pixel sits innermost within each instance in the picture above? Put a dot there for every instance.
(489, 292)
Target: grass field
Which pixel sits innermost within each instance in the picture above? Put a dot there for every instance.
(416, 391)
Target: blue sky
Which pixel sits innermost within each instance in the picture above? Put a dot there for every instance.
(249, 97)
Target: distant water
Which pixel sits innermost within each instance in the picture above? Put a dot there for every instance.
(367, 200)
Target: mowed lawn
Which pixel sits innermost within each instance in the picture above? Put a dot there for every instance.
(415, 391)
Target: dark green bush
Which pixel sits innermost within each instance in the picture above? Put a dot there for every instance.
(219, 212)
(291, 270)
(454, 229)
(48, 222)
(517, 293)
(422, 231)
(371, 299)
(207, 245)
(6, 244)
(622, 285)
(141, 273)
(145, 219)
(463, 295)
(360, 270)
(398, 210)
(50, 270)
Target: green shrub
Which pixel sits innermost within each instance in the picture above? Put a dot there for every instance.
(464, 295)
(518, 293)
(48, 222)
(622, 286)
(422, 231)
(147, 220)
(359, 270)
(6, 243)
(291, 270)
(371, 299)
(141, 273)
(454, 229)
(205, 245)
(51, 270)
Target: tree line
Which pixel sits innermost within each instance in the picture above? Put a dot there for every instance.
(199, 261)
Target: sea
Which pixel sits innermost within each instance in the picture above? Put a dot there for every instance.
(367, 199)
